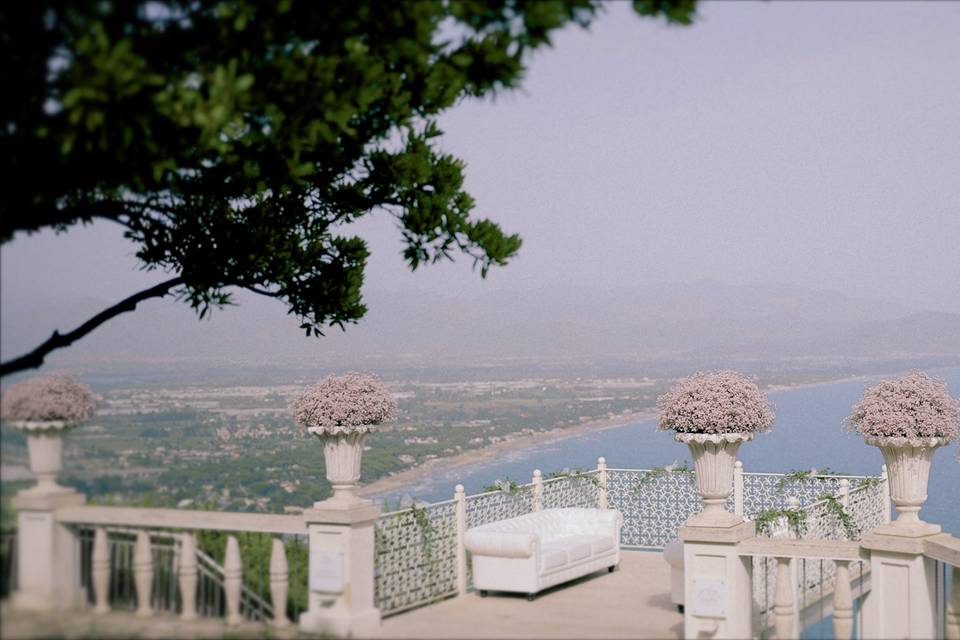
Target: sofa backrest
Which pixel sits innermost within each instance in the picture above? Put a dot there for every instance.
(551, 524)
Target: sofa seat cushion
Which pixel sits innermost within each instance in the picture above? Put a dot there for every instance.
(601, 544)
(553, 556)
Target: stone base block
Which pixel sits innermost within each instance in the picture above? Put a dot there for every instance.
(342, 624)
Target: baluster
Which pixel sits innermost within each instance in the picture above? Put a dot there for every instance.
(537, 490)
(232, 580)
(844, 495)
(842, 602)
(188, 576)
(100, 567)
(603, 496)
(783, 600)
(459, 495)
(953, 606)
(738, 488)
(143, 573)
(279, 582)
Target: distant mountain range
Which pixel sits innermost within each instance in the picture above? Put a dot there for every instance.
(705, 320)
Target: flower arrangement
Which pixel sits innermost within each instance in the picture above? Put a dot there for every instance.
(718, 402)
(53, 397)
(914, 406)
(352, 403)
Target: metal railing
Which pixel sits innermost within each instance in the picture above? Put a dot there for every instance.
(420, 558)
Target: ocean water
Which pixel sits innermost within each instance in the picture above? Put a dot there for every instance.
(807, 434)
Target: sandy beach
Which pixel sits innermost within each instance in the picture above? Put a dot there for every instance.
(422, 470)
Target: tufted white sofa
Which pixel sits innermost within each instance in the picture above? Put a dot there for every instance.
(538, 550)
(673, 554)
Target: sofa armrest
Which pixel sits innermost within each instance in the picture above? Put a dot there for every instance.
(502, 544)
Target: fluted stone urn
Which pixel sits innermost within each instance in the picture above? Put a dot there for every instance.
(908, 419)
(342, 455)
(713, 414)
(45, 408)
(45, 450)
(340, 411)
(908, 470)
(714, 456)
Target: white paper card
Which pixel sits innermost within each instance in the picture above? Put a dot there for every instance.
(326, 571)
(708, 597)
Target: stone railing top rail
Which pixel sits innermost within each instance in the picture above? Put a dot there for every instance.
(182, 519)
(944, 548)
(789, 548)
(826, 476)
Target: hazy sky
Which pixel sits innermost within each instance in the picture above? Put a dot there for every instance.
(807, 143)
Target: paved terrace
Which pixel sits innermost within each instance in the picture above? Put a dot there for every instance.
(632, 602)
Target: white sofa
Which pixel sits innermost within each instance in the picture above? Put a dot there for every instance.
(673, 554)
(531, 552)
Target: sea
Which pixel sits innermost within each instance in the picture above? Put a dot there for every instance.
(808, 433)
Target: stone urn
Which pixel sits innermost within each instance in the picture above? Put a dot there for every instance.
(45, 450)
(342, 454)
(908, 469)
(714, 456)
(341, 411)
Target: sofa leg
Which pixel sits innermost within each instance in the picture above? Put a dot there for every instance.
(483, 593)
(531, 596)
(611, 568)
(680, 608)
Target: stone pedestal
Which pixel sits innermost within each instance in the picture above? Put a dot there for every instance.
(717, 587)
(48, 553)
(340, 601)
(902, 599)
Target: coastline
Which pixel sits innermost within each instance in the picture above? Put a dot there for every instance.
(390, 483)
(418, 472)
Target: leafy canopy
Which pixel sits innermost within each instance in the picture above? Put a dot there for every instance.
(236, 140)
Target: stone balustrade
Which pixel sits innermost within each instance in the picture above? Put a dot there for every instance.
(181, 527)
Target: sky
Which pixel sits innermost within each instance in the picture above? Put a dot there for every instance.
(815, 144)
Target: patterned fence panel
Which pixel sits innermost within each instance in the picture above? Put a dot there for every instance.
(415, 559)
(867, 505)
(578, 490)
(763, 491)
(499, 505)
(654, 504)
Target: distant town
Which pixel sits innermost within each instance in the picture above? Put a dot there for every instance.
(225, 445)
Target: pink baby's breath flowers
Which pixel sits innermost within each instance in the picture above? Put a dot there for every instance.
(352, 403)
(46, 398)
(914, 406)
(715, 402)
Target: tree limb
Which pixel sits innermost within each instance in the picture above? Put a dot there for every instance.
(35, 358)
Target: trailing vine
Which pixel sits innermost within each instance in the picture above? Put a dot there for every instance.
(651, 475)
(807, 475)
(507, 486)
(835, 507)
(870, 482)
(796, 520)
(577, 474)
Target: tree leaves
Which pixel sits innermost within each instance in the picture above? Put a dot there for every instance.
(235, 139)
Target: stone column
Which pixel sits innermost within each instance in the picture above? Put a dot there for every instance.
(902, 601)
(340, 601)
(717, 582)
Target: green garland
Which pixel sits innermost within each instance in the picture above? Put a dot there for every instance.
(796, 520)
(658, 472)
(804, 476)
(850, 527)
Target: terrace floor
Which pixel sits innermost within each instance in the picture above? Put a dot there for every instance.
(632, 602)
